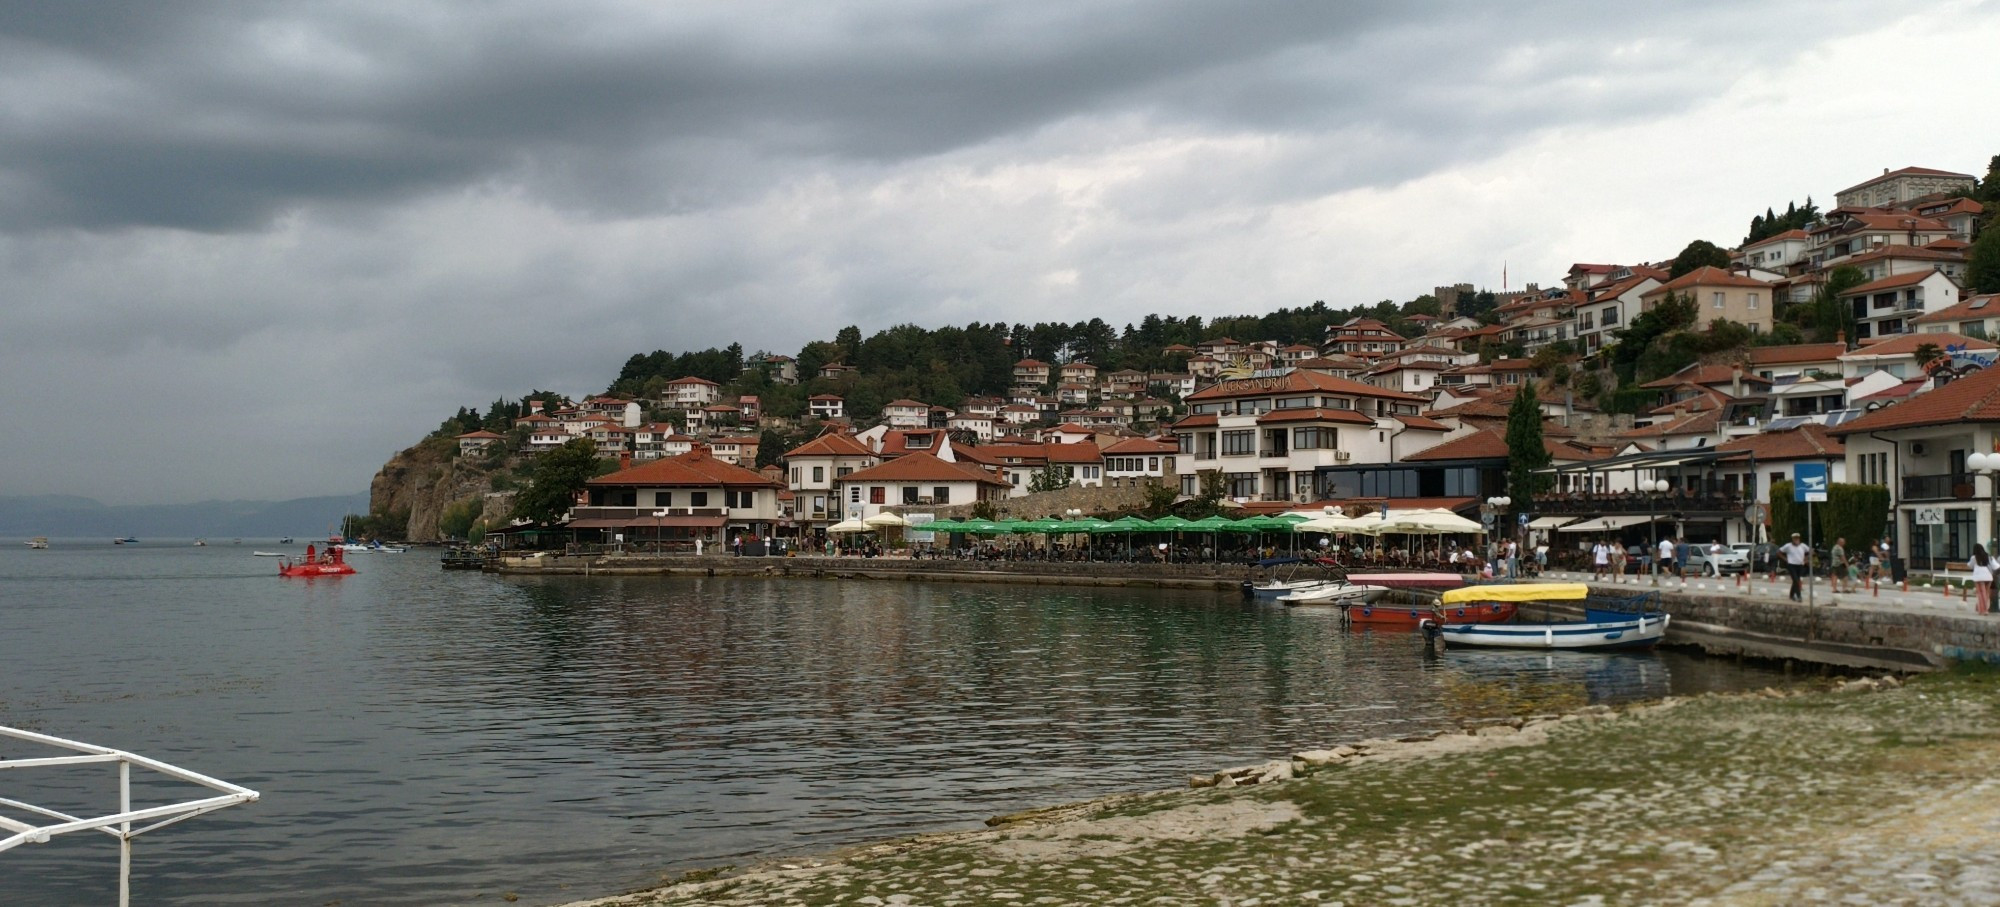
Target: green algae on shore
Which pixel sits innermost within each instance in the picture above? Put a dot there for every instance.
(1868, 789)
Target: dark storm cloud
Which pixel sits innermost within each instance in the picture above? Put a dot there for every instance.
(217, 117)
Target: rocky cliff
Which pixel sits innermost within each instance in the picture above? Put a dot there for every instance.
(415, 488)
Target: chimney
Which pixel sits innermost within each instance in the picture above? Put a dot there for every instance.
(624, 459)
(1736, 381)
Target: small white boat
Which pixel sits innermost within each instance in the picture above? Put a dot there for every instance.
(267, 554)
(1336, 593)
(388, 549)
(39, 542)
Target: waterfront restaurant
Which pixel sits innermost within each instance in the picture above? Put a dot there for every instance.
(671, 502)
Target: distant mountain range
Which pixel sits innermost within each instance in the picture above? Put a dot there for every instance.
(69, 515)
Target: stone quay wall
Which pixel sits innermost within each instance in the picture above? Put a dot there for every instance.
(896, 569)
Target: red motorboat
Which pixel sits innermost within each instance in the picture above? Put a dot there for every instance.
(332, 562)
(1409, 617)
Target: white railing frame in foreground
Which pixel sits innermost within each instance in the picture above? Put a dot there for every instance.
(118, 824)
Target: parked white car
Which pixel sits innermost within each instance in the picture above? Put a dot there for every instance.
(1728, 560)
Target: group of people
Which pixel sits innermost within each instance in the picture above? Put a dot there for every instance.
(1502, 560)
(1846, 570)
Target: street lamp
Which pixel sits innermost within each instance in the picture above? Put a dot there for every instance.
(1497, 505)
(1653, 487)
(1988, 463)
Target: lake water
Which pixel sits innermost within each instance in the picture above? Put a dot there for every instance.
(423, 737)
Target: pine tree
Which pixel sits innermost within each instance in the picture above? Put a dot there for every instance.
(1525, 450)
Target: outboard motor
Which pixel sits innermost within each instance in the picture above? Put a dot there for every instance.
(1249, 589)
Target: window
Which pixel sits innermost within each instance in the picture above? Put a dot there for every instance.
(941, 494)
(1188, 485)
(1295, 402)
(910, 494)
(1090, 472)
(917, 442)
(842, 471)
(819, 474)
(1238, 443)
(854, 494)
(1316, 438)
(697, 499)
(1152, 464)
(663, 499)
(1610, 316)
(1718, 297)
(1241, 484)
(1753, 302)
(796, 471)
(745, 500)
(877, 494)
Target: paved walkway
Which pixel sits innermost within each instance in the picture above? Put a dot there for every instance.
(1921, 598)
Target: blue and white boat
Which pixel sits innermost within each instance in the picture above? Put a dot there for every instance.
(1629, 626)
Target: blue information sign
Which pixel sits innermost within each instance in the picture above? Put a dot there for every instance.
(1809, 482)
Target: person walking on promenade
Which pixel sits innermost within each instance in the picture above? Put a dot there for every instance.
(1600, 560)
(1664, 564)
(1982, 578)
(1618, 564)
(1837, 565)
(1795, 563)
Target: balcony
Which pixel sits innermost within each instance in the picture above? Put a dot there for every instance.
(1948, 487)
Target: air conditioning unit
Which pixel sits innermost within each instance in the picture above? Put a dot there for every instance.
(1917, 449)
(1302, 498)
(1342, 456)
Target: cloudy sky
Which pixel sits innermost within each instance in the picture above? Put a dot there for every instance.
(250, 250)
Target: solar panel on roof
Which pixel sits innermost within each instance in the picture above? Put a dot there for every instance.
(1787, 423)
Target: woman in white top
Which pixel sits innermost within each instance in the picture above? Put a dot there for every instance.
(1982, 578)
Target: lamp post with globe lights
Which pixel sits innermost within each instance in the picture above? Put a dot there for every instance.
(1652, 488)
(1987, 464)
(1496, 507)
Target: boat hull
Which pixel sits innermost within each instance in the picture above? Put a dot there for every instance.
(1412, 618)
(1640, 632)
(312, 570)
(1335, 594)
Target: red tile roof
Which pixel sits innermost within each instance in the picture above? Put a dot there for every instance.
(481, 434)
(1295, 381)
(1701, 423)
(697, 467)
(1081, 452)
(1705, 375)
(1141, 447)
(1480, 445)
(1906, 344)
(831, 444)
(1781, 237)
(1314, 415)
(1708, 276)
(1891, 282)
(1973, 398)
(1809, 441)
(1802, 352)
(1906, 171)
(1204, 420)
(1983, 306)
(692, 380)
(921, 467)
(1422, 424)
(1912, 253)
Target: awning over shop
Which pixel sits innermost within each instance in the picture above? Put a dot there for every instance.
(1604, 523)
(1550, 522)
(1652, 459)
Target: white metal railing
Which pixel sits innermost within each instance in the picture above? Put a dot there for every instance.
(118, 824)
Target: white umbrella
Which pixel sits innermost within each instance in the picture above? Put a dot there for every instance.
(1432, 521)
(884, 518)
(845, 526)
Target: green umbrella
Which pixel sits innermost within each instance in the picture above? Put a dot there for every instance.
(1043, 525)
(941, 526)
(1171, 523)
(1247, 524)
(1007, 526)
(1207, 524)
(982, 527)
